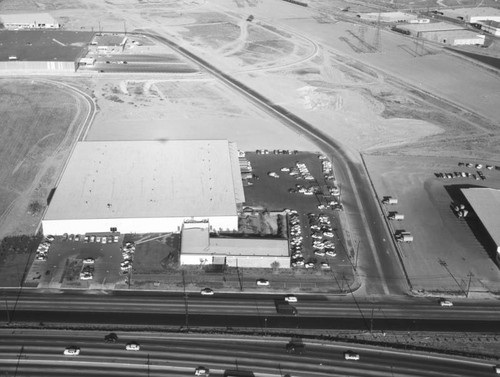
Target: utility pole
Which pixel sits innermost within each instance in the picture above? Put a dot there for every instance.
(470, 275)
(185, 301)
(371, 321)
(356, 256)
(7, 311)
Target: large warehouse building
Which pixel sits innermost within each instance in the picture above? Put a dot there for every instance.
(472, 15)
(486, 204)
(42, 50)
(146, 186)
(198, 248)
(442, 32)
(18, 21)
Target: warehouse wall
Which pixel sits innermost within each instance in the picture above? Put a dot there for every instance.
(131, 225)
(17, 65)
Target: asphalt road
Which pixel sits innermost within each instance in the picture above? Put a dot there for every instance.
(147, 309)
(40, 353)
(379, 257)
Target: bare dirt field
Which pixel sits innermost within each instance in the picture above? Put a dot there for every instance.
(39, 123)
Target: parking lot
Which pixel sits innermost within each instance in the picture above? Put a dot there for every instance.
(77, 261)
(295, 183)
(448, 250)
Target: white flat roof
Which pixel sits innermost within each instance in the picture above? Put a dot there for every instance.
(147, 179)
(486, 203)
(432, 26)
(470, 12)
(196, 240)
(27, 18)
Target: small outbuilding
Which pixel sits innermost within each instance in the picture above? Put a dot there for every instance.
(199, 248)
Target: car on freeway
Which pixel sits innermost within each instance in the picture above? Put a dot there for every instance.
(445, 302)
(202, 371)
(133, 346)
(72, 351)
(207, 292)
(262, 282)
(111, 338)
(349, 355)
(290, 298)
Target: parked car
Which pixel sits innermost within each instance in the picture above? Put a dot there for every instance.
(290, 298)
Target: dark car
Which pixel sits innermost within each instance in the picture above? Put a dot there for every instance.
(111, 338)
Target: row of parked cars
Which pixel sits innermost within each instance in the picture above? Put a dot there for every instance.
(100, 239)
(128, 251)
(43, 249)
(461, 174)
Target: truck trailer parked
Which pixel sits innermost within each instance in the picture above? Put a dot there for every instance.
(396, 216)
(404, 237)
(389, 200)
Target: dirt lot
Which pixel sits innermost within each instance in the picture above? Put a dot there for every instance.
(39, 124)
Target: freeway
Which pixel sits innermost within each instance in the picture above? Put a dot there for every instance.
(372, 236)
(151, 309)
(40, 353)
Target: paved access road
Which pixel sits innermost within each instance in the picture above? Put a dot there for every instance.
(40, 353)
(159, 310)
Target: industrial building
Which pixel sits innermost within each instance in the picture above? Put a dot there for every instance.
(109, 43)
(198, 248)
(18, 21)
(442, 32)
(388, 17)
(486, 204)
(491, 27)
(146, 186)
(42, 50)
(472, 15)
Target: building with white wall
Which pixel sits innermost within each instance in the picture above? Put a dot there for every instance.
(198, 248)
(472, 15)
(146, 186)
(29, 21)
(486, 204)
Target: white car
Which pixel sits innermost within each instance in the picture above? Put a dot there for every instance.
(202, 371)
(207, 292)
(132, 347)
(89, 260)
(86, 276)
(325, 266)
(290, 298)
(273, 174)
(263, 282)
(444, 302)
(309, 265)
(72, 351)
(349, 355)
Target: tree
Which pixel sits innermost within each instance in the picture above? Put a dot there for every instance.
(34, 208)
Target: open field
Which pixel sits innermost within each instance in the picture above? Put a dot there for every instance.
(39, 123)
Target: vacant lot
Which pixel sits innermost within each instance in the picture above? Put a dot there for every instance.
(39, 124)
